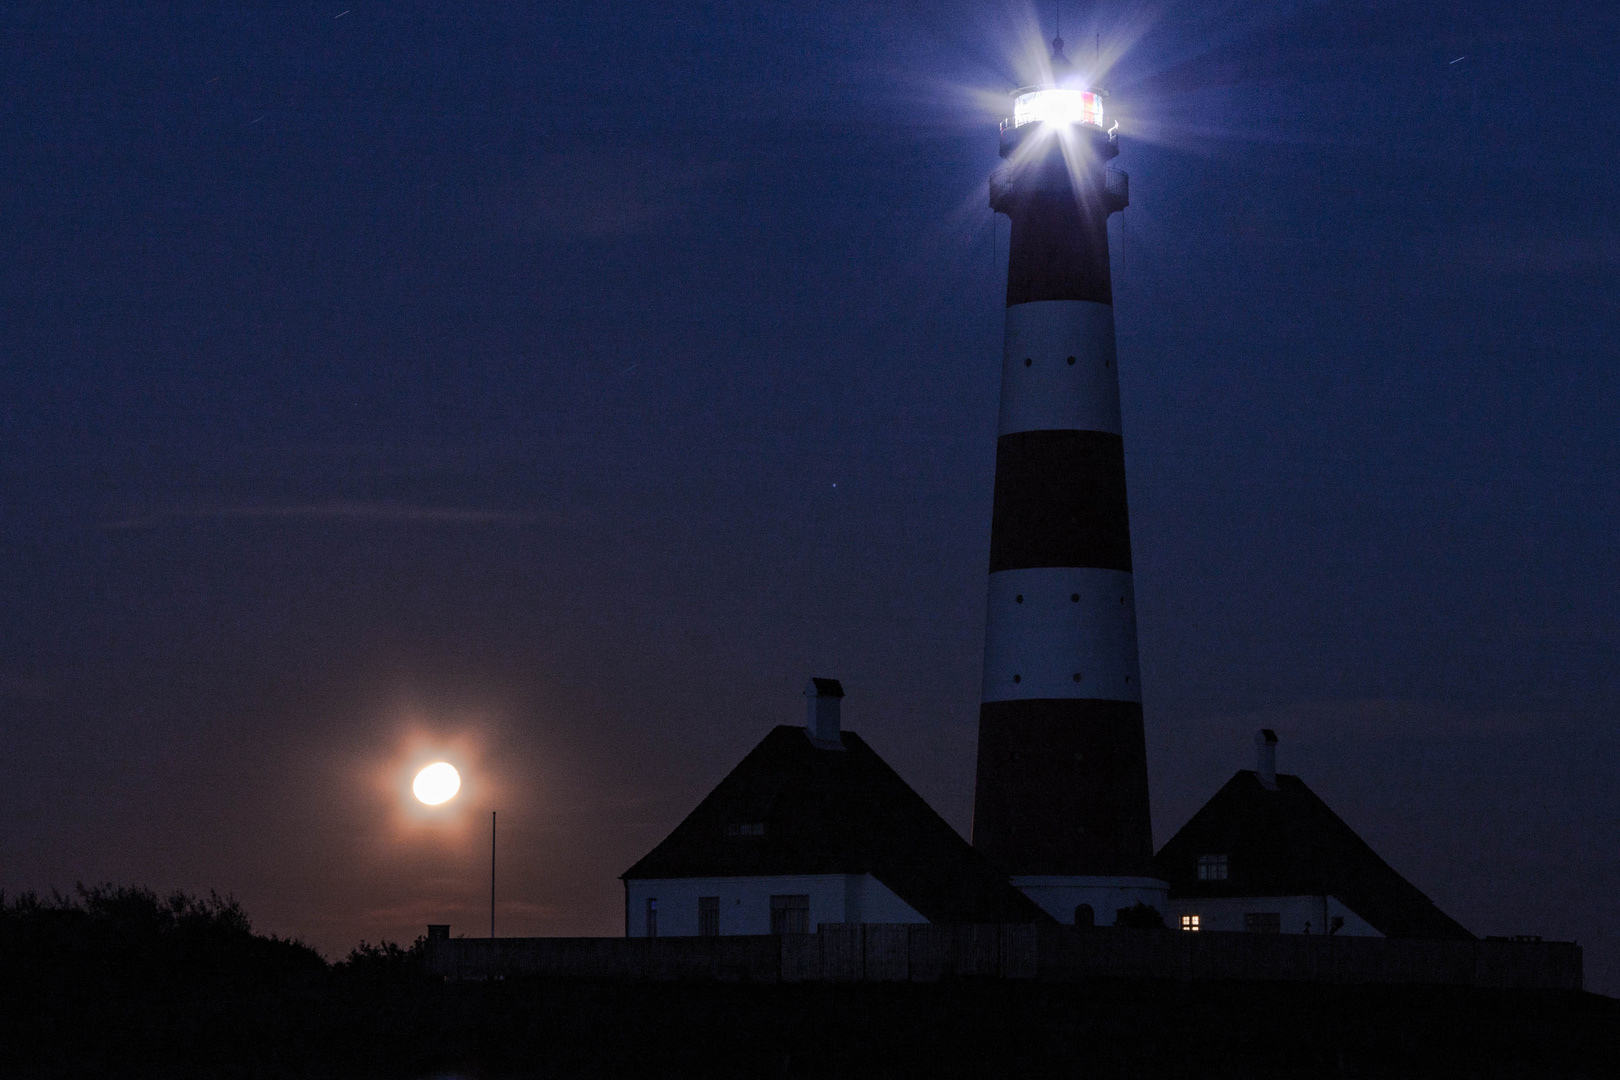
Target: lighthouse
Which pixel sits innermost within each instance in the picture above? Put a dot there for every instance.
(1061, 797)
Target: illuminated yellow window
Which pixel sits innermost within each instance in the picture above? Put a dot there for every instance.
(1189, 922)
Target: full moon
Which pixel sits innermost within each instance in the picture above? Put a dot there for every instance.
(438, 783)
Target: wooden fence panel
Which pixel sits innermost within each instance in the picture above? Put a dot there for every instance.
(930, 953)
(888, 952)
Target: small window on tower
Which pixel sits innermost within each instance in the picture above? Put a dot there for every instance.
(709, 916)
(1189, 922)
(1212, 867)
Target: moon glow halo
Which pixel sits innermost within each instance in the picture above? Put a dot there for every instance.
(436, 784)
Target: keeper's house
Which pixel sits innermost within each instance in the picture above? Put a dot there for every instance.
(1266, 855)
(813, 827)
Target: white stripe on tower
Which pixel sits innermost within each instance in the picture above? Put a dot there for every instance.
(1058, 369)
(1060, 631)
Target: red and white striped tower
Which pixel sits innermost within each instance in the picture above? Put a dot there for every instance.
(1061, 802)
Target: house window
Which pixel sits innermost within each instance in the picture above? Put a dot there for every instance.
(1189, 922)
(1262, 922)
(746, 828)
(790, 914)
(708, 916)
(1212, 868)
(652, 916)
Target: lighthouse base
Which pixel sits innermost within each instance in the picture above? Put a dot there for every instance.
(1063, 897)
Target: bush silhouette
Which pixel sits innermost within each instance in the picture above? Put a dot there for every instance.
(1139, 916)
(385, 961)
(114, 974)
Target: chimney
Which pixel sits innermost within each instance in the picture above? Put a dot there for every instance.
(824, 697)
(1265, 757)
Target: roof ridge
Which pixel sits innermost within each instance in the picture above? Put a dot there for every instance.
(1296, 844)
(814, 812)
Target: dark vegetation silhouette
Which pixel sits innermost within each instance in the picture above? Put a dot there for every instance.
(1139, 916)
(114, 980)
(119, 981)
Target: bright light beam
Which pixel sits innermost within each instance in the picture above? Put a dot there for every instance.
(1057, 105)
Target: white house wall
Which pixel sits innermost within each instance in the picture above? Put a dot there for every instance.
(745, 902)
(1059, 896)
(1295, 912)
(875, 902)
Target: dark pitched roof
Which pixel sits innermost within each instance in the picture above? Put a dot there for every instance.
(1288, 842)
(827, 811)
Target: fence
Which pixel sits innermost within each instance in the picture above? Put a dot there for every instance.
(874, 952)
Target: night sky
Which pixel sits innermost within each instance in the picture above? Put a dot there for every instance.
(555, 388)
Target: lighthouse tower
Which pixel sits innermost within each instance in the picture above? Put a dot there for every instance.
(1061, 802)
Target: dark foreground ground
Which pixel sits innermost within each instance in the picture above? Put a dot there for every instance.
(124, 983)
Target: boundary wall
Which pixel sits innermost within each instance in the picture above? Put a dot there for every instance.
(899, 952)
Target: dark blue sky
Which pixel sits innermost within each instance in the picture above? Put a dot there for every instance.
(559, 387)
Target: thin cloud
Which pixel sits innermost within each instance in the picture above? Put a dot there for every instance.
(26, 688)
(595, 195)
(1385, 719)
(359, 512)
(1555, 251)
